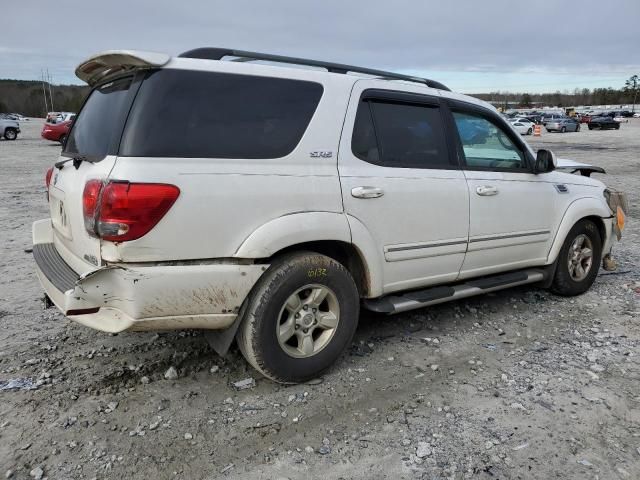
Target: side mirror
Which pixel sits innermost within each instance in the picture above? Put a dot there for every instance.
(545, 161)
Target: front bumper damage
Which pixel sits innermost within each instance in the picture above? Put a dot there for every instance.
(619, 206)
(115, 298)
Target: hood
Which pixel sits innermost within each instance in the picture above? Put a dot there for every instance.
(571, 166)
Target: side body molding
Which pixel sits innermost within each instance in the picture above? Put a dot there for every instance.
(292, 229)
(579, 208)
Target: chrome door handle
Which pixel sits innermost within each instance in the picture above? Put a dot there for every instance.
(487, 191)
(366, 192)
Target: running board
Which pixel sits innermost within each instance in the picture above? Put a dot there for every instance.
(434, 295)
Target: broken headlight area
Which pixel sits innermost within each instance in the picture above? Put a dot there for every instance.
(619, 206)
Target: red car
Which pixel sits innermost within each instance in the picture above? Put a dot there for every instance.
(585, 118)
(57, 131)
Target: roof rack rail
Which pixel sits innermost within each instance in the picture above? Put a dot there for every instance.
(210, 53)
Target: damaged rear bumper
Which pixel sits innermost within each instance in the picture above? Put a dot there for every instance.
(115, 298)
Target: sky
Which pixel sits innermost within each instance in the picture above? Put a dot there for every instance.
(472, 46)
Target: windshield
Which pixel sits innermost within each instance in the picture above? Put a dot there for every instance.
(97, 128)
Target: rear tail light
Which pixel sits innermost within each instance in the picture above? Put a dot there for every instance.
(90, 199)
(121, 211)
(47, 177)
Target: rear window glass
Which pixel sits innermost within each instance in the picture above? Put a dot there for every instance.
(98, 126)
(180, 113)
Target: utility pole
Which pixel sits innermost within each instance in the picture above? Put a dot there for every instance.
(44, 91)
(50, 90)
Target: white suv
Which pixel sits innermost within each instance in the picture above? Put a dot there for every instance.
(268, 202)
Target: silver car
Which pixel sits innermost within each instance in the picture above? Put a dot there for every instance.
(563, 125)
(9, 128)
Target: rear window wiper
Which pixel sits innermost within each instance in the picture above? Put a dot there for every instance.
(77, 160)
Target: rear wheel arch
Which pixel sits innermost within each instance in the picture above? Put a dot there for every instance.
(344, 253)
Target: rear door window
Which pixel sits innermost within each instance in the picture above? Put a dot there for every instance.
(194, 114)
(96, 130)
(400, 135)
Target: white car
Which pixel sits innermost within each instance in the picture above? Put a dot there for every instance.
(523, 128)
(286, 198)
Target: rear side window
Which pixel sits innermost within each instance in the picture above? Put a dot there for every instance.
(181, 113)
(97, 129)
(399, 135)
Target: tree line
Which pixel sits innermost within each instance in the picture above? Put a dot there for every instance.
(26, 97)
(629, 94)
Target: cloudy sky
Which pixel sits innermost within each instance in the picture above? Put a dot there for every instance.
(471, 45)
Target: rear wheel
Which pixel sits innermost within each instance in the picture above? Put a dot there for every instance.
(578, 260)
(10, 134)
(300, 317)
(563, 130)
(577, 128)
(530, 131)
(63, 139)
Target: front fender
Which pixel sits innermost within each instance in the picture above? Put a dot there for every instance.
(577, 210)
(293, 229)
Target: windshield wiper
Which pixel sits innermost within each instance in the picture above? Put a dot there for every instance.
(77, 160)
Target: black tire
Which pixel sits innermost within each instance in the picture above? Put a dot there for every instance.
(530, 131)
(563, 282)
(590, 127)
(577, 128)
(257, 336)
(63, 139)
(617, 127)
(563, 130)
(10, 134)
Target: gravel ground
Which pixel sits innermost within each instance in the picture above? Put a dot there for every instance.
(518, 384)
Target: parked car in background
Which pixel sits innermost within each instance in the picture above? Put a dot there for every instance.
(603, 123)
(57, 131)
(523, 128)
(523, 120)
(412, 196)
(550, 117)
(585, 118)
(51, 116)
(563, 125)
(9, 128)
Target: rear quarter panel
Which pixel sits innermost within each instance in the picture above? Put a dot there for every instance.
(223, 201)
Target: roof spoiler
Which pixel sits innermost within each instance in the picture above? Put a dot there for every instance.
(113, 62)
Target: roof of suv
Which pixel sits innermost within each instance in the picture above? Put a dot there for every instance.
(112, 63)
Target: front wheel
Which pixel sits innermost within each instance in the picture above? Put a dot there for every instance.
(63, 139)
(563, 130)
(578, 128)
(530, 131)
(578, 260)
(10, 134)
(300, 317)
